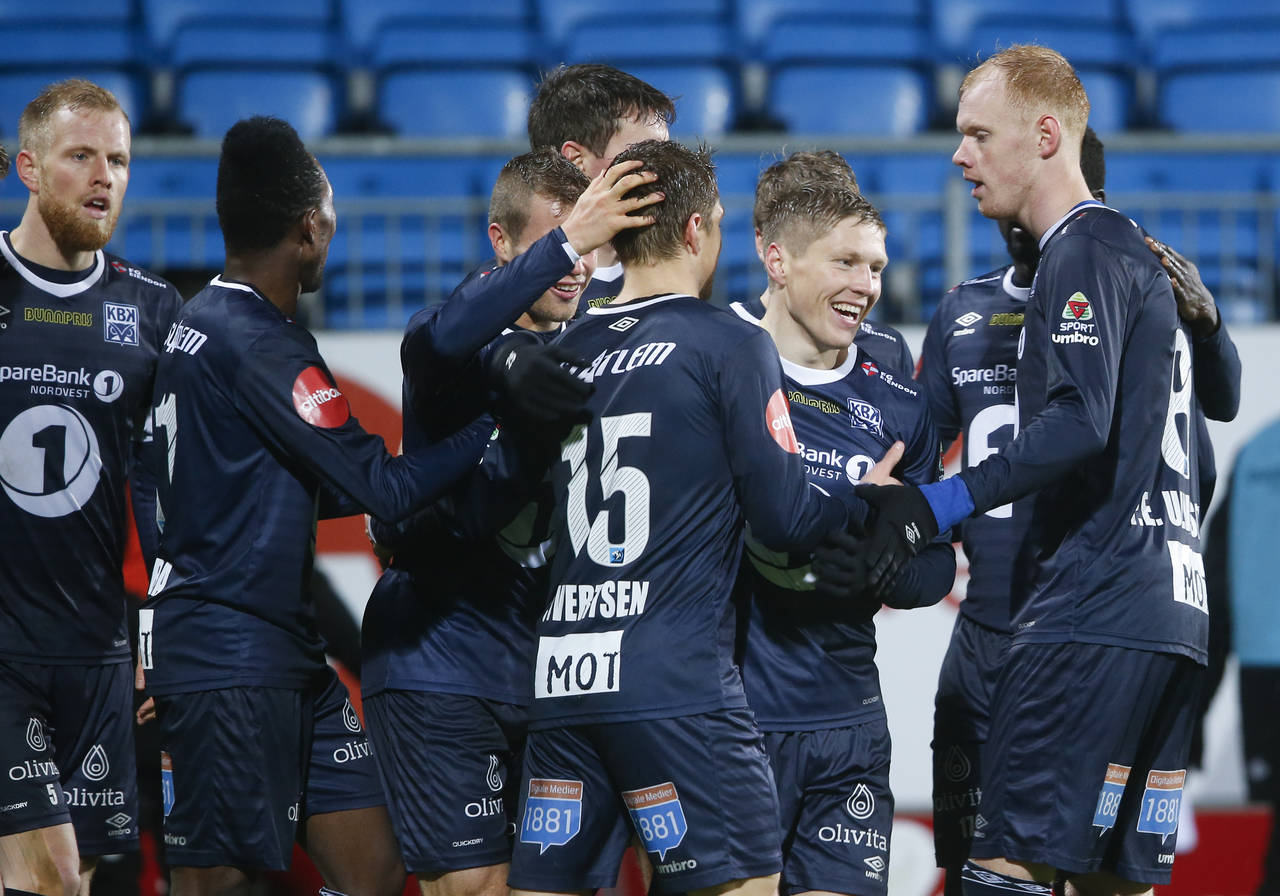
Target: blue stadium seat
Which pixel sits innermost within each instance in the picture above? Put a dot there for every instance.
(1110, 100)
(275, 45)
(162, 18)
(844, 41)
(210, 101)
(1088, 45)
(435, 44)
(1218, 46)
(362, 20)
(1148, 171)
(954, 20)
(1147, 18)
(96, 12)
(705, 95)
(691, 41)
(850, 100)
(757, 19)
(558, 18)
(425, 103)
(1222, 102)
(19, 88)
(49, 44)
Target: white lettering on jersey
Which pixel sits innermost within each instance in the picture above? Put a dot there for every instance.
(182, 338)
(146, 619)
(608, 600)
(585, 663)
(1188, 576)
(621, 360)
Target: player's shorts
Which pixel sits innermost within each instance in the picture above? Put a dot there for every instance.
(697, 789)
(342, 774)
(232, 766)
(836, 808)
(961, 717)
(451, 768)
(66, 744)
(1086, 759)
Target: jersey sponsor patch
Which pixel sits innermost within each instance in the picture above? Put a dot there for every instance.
(869, 368)
(861, 803)
(1188, 576)
(866, 416)
(1160, 802)
(582, 663)
(777, 417)
(658, 816)
(318, 401)
(1077, 308)
(552, 813)
(121, 323)
(166, 782)
(1113, 783)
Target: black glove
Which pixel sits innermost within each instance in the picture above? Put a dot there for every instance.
(840, 567)
(903, 524)
(529, 376)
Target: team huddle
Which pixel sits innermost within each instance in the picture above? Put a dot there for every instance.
(635, 543)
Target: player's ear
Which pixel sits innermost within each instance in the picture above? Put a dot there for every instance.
(27, 173)
(1049, 135)
(501, 242)
(310, 225)
(693, 233)
(576, 153)
(775, 264)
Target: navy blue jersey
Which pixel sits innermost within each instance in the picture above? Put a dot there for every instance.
(603, 288)
(1107, 444)
(968, 370)
(466, 624)
(809, 663)
(691, 433)
(255, 441)
(78, 357)
(880, 341)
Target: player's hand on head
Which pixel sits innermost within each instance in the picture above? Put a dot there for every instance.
(537, 381)
(902, 523)
(1196, 304)
(607, 206)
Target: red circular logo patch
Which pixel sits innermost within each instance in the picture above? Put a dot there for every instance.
(777, 416)
(319, 401)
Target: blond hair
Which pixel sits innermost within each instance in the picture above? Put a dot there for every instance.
(1038, 81)
(74, 94)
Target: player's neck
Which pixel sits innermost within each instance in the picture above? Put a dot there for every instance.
(677, 275)
(1049, 205)
(273, 282)
(794, 342)
(32, 240)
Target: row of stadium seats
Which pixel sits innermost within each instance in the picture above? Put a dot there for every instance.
(410, 226)
(807, 66)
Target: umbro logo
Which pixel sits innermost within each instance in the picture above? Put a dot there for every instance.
(968, 320)
(875, 863)
(912, 531)
(624, 324)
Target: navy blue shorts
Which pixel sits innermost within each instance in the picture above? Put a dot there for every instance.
(961, 718)
(66, 741)
(342, 773)
(451, 768)
(836, 808)
(696, 790)
(1086, 759)
(232, 764)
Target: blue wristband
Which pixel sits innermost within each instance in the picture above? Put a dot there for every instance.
(949, 500)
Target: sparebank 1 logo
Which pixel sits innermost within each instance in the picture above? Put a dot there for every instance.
(50, 460)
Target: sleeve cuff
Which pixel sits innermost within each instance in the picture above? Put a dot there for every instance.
(949, 500)
(568, 250)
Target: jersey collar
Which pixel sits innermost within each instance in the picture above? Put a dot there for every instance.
(61, 290)
(805, 376)
(1057, 225)
(633, 306)
(1021, 293)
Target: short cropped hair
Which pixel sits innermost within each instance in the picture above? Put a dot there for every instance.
(817, 166)
(584, 103)
(1038, 80)
(802, 213)
(1093, 163)
(4, 163)
(542, 172)
(267, 180)
(687, 178)
(75, 94)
